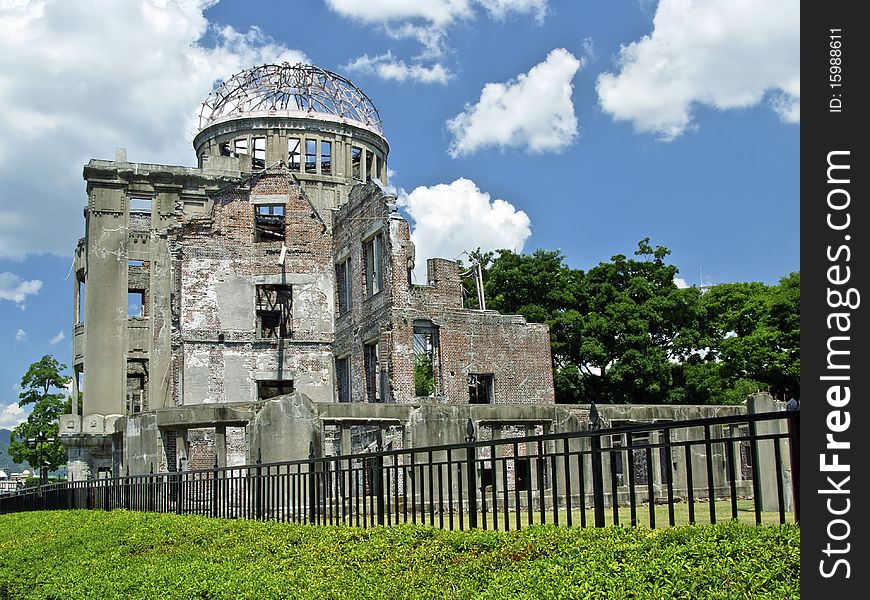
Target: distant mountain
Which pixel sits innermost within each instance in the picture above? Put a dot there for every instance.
(5, 460)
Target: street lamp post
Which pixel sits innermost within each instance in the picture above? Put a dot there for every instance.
(39, 441)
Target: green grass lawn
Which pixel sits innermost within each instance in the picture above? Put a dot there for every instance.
(119, 554)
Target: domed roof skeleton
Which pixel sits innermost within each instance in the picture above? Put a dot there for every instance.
(295, 88)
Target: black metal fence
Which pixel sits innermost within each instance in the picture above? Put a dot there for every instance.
(703, 470)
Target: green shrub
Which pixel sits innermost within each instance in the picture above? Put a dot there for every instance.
(119, 554)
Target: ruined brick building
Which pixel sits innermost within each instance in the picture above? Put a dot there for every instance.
(277, 268)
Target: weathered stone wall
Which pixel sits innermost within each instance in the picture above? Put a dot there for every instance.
(221, 265)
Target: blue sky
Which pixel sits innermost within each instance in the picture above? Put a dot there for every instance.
(583, 126)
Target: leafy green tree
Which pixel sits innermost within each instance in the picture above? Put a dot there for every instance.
(634, 325)
(624, 332)
(755, 333)
(37, 384)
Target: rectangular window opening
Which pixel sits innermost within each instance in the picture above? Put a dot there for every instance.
(258, 160)
(310, 156)
(137, 385)
(325, 157)
(342, 377)
(81, 302)
(140, 205)
(240, 146)
(226, 149)
(135, 263)
(372, 372)
(271, 388)
(374, 260)
(135, 303)
(356, 162)
(480, 388)
(425, 355)
(274, 303)
(370, 164)
(294, 155)
(379, 169)
(343, 280)
(269, 222)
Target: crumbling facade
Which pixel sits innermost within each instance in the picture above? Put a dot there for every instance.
(277, 266)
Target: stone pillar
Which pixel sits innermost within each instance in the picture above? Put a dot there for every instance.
(766, 459)
(220, 445)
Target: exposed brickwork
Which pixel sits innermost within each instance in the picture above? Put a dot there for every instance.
(516, 353)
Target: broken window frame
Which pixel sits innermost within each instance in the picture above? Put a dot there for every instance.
(294, 154)
(356, 154)
(373, 253)
(344, 285)
(270, 222)
(481, 388)
(426, 354)
(258, 156)
(310, 155)
(240, 146)
(342, 379)
(379, 166)
(274, 311)
(372, 370)
(270, 388)
(137, 293)
(325, 157)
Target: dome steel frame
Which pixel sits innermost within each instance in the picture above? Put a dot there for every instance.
(299, 88)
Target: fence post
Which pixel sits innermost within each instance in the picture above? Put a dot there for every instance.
(471, 470)
(127, 489)
(151, 490)
(597, 475)
(214, 488)
(312, 484)
(177, 478)
(378, 479)
(258, 486)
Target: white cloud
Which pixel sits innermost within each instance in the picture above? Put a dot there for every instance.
(436, 12)
(500, 9)
(11, 415)
(450, 218)
(80, 79)
(20, 335)
(57, 338)
(727, 54)
(386, 66)
(15, 289)
(534, 112)
(427, 21)
(681, 283)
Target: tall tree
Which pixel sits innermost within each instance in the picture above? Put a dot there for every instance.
(37, 384)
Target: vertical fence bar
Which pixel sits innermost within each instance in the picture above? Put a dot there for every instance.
(566, 457)
(669, 473)
(690, 484)
(780, 487)
(711, 490)
(632, 494)
(471, 467)
(650, 488)
(732, 478)
(756, 474)
(597, 480)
